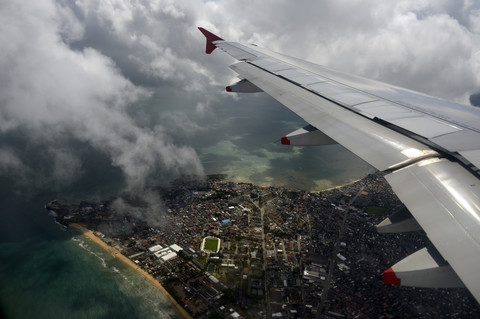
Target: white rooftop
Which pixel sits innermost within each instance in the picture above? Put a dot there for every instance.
(169, 256)
(155, 248)
(176, 247)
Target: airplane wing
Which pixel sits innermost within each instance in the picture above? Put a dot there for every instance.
(429, 147)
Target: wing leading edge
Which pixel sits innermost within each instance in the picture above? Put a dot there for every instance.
(430, 148)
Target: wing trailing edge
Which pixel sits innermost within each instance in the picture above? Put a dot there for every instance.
(399, 222)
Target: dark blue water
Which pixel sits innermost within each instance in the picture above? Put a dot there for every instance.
(49, 273)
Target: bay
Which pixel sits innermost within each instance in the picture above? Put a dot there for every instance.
(46, 272)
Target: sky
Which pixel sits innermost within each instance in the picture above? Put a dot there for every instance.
(124, 86)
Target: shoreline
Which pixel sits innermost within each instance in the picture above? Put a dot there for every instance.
(126, 261)
(237, 179)
(90, 235)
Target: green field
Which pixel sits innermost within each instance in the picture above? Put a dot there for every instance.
(211, 244)
(375, 210)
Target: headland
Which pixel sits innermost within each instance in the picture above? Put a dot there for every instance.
(282, 252)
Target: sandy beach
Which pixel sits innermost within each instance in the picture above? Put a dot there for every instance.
(88, 233)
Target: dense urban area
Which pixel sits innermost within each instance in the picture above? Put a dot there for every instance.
(236, 250)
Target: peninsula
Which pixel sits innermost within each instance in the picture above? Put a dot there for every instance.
(220, 249)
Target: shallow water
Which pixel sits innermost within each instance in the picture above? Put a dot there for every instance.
(46, 272)
(74, 279)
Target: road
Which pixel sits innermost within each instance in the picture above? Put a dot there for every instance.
(268, 309)
(327, 284)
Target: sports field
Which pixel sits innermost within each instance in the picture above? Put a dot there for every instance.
(211, 244)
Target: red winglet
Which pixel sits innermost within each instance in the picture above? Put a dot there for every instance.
(389, 277)
(285, 140)
(210, 38)
(228, 89)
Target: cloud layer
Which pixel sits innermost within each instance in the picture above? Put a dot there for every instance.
(53, 93)
(87, 71)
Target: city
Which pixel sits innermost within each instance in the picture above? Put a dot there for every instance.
(273, 252)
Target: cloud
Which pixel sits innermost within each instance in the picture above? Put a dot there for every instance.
(87, 71)
(53, 93)
(66, 165)
(148, 207)
(395, 41)
(9, 162)
(181, 124)
(411, 52)
(429, 46)
(407, 42)
(153, 42)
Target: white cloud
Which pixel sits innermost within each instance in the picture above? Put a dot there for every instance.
(52, 92)
(424, 45)
(412, 43)
(78, 69)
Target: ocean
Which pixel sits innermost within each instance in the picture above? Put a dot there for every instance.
(46, 272)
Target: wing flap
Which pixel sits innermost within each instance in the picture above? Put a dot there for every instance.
(444, 198)
(461, 141)
(352, 98)
(425, 126)
(384, 110)
(473, 157)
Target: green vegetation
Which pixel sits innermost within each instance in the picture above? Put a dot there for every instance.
(375, 210)
(184, 256)
(211, 244)
(222, 194)
(202, 259)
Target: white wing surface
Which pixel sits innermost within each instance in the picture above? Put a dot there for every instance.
(430, 147)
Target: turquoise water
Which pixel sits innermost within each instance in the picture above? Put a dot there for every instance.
(242, 141)
(48, 273)
(74, 278)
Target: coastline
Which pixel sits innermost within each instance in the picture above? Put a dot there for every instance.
(89, 234)
(239, 179)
